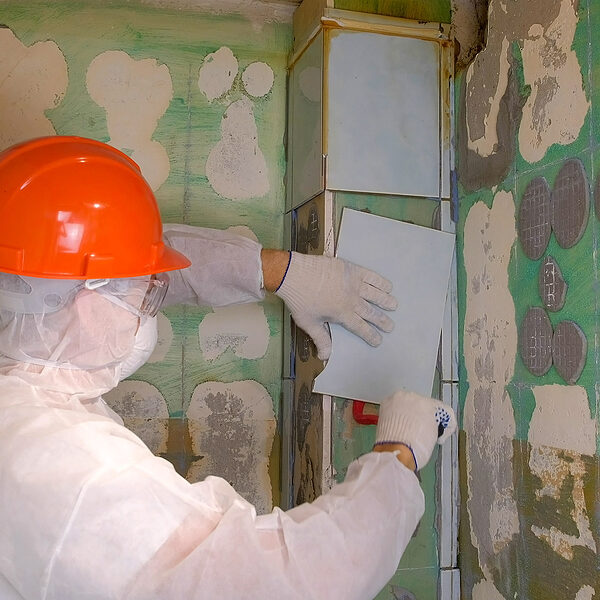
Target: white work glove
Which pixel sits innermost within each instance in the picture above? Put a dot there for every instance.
(415, 421)
(322, 289)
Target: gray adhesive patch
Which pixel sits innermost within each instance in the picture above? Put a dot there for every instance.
(534, 225)
(570, 203)
(305, 347)
(552, 286)
(569, 350)
(535, 341)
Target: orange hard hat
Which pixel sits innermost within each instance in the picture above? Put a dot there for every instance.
(74, 208)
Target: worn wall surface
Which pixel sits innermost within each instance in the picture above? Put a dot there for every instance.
(197, 98)
(527, 165)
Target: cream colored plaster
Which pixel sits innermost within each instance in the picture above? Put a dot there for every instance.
(560, 432)
(242, 328)
(562, 419)
(486, 144)
(557, 106)
(143, 410)
(232, 425)
(258, 79)
(134, 94)
(490, 346)
(33, 79)
(165, 339)
(486, 590)
(585, 593)
(236, 167)
(217, 73)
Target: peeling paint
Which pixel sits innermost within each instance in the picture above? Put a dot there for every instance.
(232, 425)
(134, 94)
(555, 111)
(143, 410)
(241, 328)
(217, 73)
(490, 346)
(33, 79)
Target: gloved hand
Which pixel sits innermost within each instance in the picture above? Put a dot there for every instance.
(416, 421)
(322, 289)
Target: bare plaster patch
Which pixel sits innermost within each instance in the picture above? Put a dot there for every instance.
(164, 340)
(585, 593)
(217, 73)
(556, 405)
(233, 425)
(243, 328)
(134, 94)
(258, 79)
(236, 167)
(469, 19)
(486, 590)
(490, 347)
(556, 456)
(33, 79)
(143, 410)
(556, 109)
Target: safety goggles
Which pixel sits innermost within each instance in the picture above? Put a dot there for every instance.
(143, 296)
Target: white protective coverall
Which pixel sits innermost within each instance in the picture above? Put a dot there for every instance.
(88, 512)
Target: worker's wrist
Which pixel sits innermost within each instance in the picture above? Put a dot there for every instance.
(404, 452)
(275, 264)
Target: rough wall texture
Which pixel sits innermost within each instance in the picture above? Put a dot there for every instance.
(525, 107)
(198, 100)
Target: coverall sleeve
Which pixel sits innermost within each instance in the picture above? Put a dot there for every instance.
(91, 513)
(226, 267)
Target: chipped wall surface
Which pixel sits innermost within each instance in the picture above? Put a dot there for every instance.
(197, 98)
(527, 162)
(541, 35)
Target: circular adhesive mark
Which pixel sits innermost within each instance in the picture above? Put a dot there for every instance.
(534, 224)
(551, 284)
(569, 349)
(570, 203)
(535, 341)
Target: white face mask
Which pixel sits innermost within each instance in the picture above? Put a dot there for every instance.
(145, 341)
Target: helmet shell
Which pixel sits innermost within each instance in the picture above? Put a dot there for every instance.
(75, 208)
